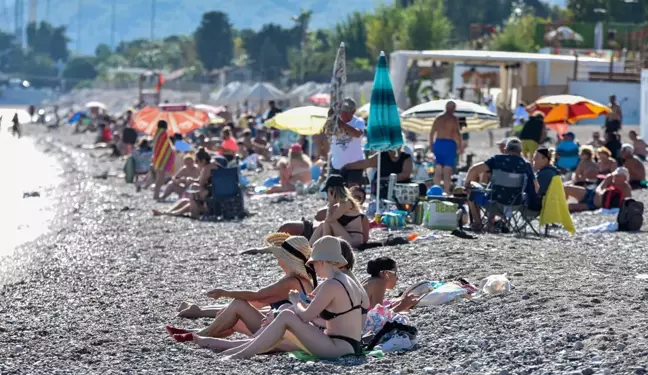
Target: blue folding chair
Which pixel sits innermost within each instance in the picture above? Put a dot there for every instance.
(226, 199)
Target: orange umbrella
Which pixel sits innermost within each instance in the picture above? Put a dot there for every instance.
(181, 118)
(567, 108)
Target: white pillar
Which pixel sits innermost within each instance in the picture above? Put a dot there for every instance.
(643, 106)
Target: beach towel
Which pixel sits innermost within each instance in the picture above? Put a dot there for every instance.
(304, 356)
(554, 206)
(163, 153)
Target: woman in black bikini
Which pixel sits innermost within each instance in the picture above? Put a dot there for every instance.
(344, 217)
(243, 314)
(338, 300)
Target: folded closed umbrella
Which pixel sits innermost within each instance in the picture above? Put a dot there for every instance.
(384, 126)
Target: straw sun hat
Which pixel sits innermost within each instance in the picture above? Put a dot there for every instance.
(328, 249)
(293, 252)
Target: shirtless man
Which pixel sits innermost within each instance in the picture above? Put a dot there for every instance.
(593, 199)
(640, 146)
(634, 165)
(445, 140)
(614, 118)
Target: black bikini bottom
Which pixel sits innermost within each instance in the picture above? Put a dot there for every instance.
(355, 344)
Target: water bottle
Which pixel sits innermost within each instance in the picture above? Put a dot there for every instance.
(390, 187)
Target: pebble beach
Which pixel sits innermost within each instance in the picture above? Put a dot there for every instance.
(92, 295)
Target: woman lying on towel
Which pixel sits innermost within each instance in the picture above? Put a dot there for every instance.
(242, 314)
(608, 194)
(338, 301)
(307, 227)
(344, 217)
(196, 205)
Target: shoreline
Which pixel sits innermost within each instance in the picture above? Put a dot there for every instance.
(93, 295)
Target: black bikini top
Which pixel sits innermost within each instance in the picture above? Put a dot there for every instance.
(327, 315)
(345, 220)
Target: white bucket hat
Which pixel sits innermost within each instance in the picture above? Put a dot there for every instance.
(328, 249)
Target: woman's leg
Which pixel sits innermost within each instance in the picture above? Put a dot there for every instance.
(218, 344)
(310, 338)
(173, 187)
(178, 209)
(193, 311)
(295, 228)
(337, 230)
(318, 233)
(159, 181)
(227, 319)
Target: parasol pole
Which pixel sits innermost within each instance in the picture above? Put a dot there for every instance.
(338, 80)
(378, 200)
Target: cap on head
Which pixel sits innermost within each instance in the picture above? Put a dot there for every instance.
(502, 142)
(348, 105)
(513, 145)
(544, 152)
(334, 180)
(569, 135)
(296, 148)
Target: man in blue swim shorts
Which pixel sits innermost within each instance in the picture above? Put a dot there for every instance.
(445, 142)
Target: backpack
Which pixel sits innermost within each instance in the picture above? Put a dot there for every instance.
(630, 216)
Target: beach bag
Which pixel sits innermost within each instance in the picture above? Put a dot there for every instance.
(612, 198)
(630, 217)
(406, 193)
(441, 215)
(446, 293)
(389, 330)
(129, 170)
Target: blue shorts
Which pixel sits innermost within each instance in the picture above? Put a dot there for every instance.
(588, 199)
(445, 152)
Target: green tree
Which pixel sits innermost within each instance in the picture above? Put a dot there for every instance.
(81, 68)
(424, 26)
(268, 50)
(517, 36)
(103, 52)
(383, 29)
(59, 42)
(214, 40)
(353, 32)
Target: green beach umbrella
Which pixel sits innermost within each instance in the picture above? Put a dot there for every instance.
(384, 126)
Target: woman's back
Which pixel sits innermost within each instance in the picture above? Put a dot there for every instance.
(344, 313)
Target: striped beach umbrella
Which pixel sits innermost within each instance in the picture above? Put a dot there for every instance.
(338, 81)
(567, 108)
(384, 125)
(181, 118)
(419, 119)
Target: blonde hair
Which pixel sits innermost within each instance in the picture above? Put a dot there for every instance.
(298, 155)
(604, 150)
(344, 194)
(587, 150)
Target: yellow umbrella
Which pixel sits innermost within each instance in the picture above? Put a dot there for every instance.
(308, 120)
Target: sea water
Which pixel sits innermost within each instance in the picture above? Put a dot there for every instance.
(24, 169)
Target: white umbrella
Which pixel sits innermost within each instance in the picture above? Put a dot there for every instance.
(264, 92)
(99, 105)
(564, 33)
(419, 119)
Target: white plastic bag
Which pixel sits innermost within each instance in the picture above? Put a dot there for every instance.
(444, 294)
(495, 284)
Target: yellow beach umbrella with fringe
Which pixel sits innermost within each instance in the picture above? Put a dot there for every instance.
(307, 120)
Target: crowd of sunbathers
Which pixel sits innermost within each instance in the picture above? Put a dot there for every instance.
(325, 318)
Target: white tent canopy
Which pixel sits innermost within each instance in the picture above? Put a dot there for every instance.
(436, 107)
(260, 92)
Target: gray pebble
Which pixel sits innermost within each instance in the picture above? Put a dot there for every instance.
(504, 372)
(607, 371)
(429, 370)
(578, 345)
(588, 371)
(620, 346)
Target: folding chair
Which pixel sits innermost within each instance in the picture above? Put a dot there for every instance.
(512, 210)
(226, 199)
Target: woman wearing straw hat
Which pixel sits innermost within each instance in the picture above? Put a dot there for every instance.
(292, 255)
(339, 301)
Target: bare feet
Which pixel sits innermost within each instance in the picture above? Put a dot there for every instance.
(157, 213)
(192, 311)
(183, 305)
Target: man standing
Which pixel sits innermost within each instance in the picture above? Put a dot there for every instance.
(346, 146)
(614, 118)
(532, 134)
(445, 141)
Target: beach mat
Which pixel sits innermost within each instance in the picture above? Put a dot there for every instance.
(303, 356)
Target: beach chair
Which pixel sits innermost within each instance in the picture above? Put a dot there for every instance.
(226, 199)
(511, 210)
